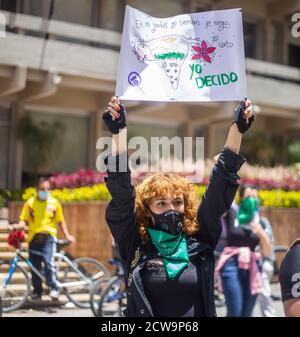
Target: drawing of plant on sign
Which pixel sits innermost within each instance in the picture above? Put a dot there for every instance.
(169, 52)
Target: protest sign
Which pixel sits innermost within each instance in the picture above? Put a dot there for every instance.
(190, 57)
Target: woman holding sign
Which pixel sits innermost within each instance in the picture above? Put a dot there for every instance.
(166, 240)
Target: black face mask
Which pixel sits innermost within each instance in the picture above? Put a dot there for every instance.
(169, 222)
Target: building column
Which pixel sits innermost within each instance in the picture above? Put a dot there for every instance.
(285, 45)
(211, 143)
(268, 48)
(15, 149)
(189, 131)
(97, 131)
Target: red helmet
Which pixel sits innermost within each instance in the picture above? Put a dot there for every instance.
(16, 237)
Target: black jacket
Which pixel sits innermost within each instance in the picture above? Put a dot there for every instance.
(120, 217)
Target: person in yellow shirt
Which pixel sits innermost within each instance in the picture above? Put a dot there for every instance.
(42, 214)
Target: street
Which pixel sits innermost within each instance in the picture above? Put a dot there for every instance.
(76, 312)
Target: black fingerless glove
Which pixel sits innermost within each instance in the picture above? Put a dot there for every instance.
(118, 124)
(239, 119)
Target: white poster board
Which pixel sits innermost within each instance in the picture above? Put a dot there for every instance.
(190, 57)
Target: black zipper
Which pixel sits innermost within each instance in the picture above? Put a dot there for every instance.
(147, 304)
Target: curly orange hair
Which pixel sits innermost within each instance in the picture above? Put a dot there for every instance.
(158, 185)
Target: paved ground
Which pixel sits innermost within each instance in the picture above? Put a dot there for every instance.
(75, 312)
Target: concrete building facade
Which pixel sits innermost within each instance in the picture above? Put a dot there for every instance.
(61, 72)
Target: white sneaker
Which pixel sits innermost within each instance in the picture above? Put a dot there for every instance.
(54, 294)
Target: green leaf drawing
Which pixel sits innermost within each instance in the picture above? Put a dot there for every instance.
(167, 56)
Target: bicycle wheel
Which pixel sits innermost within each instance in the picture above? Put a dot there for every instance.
(96, 294)
(113, 300)
(219, 297)
(93, 271)
(16, 292)
(279, 251)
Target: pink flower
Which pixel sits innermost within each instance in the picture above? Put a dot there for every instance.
(203, 52)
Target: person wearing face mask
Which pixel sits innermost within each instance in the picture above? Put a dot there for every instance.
(166, 239)
(42, 213)
(238, 269)
(267, 265)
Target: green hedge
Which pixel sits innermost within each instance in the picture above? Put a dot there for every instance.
(273, 198)
(87, 193)
(279, 198)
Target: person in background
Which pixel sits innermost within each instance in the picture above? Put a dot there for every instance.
(289, 278)
(248, 213)
(42, 213)
(237, 269)
(267, 266)
(227, 220)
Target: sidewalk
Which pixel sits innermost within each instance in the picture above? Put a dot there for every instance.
(63, 311)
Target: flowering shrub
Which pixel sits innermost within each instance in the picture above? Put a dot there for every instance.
(279, 186)
(265, 178)
(83, 177)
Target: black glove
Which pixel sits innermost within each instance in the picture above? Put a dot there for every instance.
(118, 124)
(239, 119)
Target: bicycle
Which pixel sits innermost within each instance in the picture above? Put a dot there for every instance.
(76, 280)
(107, 300)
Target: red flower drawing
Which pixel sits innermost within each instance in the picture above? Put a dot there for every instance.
(203, 52)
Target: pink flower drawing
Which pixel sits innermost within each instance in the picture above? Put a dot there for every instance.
(203, 51)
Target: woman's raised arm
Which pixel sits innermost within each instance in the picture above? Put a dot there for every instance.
(120, 212)
(223, 184)
(242, 122)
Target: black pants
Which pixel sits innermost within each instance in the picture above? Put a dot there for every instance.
(44, 244)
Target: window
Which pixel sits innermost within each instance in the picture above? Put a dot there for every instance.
(294, 56)
(71, 150)
(202, 7)
(250, 31)
(75, 11)
(107, 14)
(9, 5)
(162, 8)
(111, 14)
(276, 42)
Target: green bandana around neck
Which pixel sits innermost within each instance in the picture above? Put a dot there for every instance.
(173, 249)
(248, 207)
